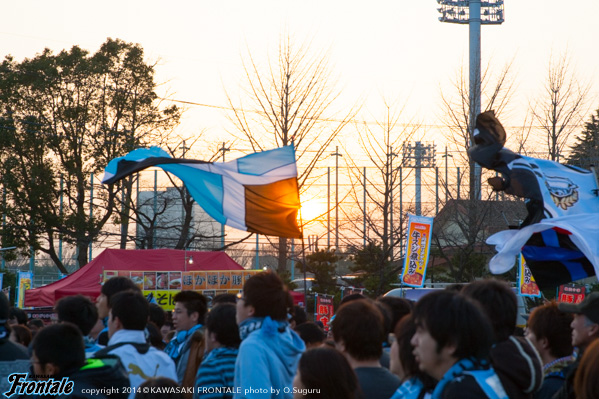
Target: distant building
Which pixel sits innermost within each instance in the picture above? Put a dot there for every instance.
(167, 206)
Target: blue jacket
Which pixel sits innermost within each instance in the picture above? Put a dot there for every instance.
(215, 378)
(267, 360)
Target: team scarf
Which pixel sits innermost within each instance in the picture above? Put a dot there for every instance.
(480, 370)
(267, 325)
(410, 389)
(174, 347)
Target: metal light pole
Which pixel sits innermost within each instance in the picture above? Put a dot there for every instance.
(474, 13)
(336, 154)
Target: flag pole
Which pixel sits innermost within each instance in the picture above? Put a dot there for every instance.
(303, 260)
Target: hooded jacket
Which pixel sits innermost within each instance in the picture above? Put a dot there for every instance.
(519, 367)
(267, 359)
(106, 373)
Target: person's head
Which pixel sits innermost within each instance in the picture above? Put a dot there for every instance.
(449, 327)
(20, 334)
(298, 317)
(57, 349)
(224, 298)
(549, 331)
(221, 327)
(190, 309)
(264, 294)
(585, 325)
(387, 317)
(586, 383)
(324, 373)
(159, 382)
(401, 359)
(399, 308)
(78, 310)
(111, 287)
(35, 325)
(499, 303)
(351, 297)
(157, 315)
(359, 330)
(129, 311)
(17, 316)
(154, 336)
(312, 335)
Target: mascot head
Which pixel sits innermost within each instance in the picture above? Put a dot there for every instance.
(489, 137)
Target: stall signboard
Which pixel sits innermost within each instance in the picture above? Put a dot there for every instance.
(324, 309)
(571, 293)
(162, 286)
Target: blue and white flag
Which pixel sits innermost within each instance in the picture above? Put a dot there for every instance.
(557, 251)
(256, 193)
(560, 236)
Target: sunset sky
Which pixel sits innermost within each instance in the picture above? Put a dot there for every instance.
(396, 49)
(393, 49)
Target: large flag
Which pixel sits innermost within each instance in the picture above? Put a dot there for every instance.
(256, 193)
(556, 239)
(557, 251)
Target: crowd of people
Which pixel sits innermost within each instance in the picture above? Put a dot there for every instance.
(457, 343)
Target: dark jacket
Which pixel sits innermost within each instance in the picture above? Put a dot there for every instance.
(518, 366)
(567, 389)
(106, 373)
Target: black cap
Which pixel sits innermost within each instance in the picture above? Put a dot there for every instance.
(588, 307)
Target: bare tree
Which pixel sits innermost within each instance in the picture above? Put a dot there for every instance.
(496, 92)
(563, 106)
(288, 103)
(382, 146)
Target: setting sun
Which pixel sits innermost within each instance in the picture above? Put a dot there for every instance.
(312, 209)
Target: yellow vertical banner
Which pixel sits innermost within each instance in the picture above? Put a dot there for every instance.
(24, 283)
(526, 283)
(418, 245)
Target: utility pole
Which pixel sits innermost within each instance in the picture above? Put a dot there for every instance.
(336, 154)
(446, 156)
(419, 156)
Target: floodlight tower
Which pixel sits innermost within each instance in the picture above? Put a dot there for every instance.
(474, 13)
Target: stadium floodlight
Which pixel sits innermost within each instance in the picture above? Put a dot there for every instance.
(474, 13)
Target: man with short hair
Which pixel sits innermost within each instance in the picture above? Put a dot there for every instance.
(222, 346)
(359, 332)
(109, 288)
(59, 352)
(550, 333)
(127, 320)
(270, 351)
(585, 330)
(187, 346)
(452, 343)
(515, 360)
(82, 312)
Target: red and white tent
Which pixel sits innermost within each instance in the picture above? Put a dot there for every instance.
(87, 280)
